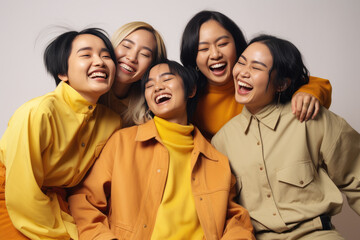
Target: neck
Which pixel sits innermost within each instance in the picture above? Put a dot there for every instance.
(121, 89)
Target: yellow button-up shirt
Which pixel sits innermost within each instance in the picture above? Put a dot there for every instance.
(51, 141)
(287, 171)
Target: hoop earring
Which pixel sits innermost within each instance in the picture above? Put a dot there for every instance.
(197, 68)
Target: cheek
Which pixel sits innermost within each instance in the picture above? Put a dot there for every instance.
(119, 52)
(236, 70)
(144, 63)
(200, 60)
(231, 54)
(147, 97)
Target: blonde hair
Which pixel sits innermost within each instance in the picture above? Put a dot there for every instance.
(136, 111)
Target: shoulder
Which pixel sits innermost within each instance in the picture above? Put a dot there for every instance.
(206, 147)
(36, 107)
(104, 112)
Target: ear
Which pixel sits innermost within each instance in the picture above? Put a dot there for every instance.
(193, 93)
(63, 78)
(285, 85)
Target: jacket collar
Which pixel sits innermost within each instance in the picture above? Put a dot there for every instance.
(147, 131)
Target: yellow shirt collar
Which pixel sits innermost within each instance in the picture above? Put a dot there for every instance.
(74, 99)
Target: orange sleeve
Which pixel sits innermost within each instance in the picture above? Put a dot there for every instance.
(319, 88)
(238, 223)
(88, 201)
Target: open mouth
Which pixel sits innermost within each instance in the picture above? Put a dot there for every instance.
(98, 75)
(244, 86)
(126, 68)
(218, 67)
(162, 98)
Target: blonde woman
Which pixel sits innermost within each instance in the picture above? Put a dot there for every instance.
(137, 45)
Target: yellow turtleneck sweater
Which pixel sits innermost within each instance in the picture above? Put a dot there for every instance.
(176, 217)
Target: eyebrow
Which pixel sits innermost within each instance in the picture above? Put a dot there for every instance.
(163, 74)
(218, 39)
(257, 62)
(90, 48)
(132, 42)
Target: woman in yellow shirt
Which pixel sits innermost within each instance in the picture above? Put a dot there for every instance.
(211, 43)
(52, 140)
(161, 179)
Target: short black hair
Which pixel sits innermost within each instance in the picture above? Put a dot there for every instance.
(57, 53)
(287, 65)
(189, 77)
(190, 39)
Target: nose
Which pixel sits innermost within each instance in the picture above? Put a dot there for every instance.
(159, 86)
(98, 61)
(244, 71)
(215, 53)
(132, 55)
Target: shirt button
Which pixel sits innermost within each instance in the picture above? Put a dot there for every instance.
(201, 199)
(83, 144)
(158, 171)
(301, 182)
(268, 195)
(145, 226)
(274, 214)
(261, 168)
(90, 107)
(258, 143)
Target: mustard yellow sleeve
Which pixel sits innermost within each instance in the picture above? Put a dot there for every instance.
(33, 213)
(319, 88)
(238, 223)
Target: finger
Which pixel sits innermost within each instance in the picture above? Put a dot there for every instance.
(317, 109)
(304, 110)
(293, 105)
(310, 109)
(299, 106)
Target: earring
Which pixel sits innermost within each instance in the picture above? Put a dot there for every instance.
(197, 68)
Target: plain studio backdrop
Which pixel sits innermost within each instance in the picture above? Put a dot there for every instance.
(327, 32)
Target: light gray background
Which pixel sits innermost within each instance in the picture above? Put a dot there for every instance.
(327, 32)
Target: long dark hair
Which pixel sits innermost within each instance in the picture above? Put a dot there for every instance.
(190, 39)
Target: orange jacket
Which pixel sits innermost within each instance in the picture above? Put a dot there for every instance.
(133, 169)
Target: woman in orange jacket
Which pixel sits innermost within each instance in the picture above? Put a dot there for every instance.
(161, 179)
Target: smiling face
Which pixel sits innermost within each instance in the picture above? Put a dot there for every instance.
(165, 95)
(91, 70)
(251, 76)
(134, 55)
(216, 53)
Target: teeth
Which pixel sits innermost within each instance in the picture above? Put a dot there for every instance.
(218, 65)
(158, 98)
(127, 67)
(242, 84)
(98, 74)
